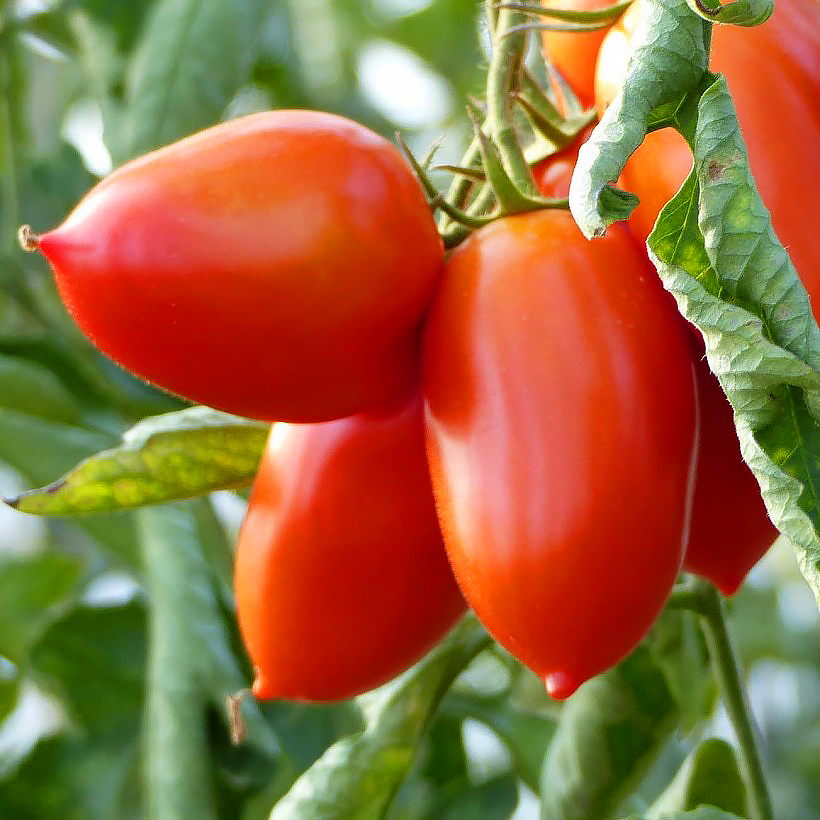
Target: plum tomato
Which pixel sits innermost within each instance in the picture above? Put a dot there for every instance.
(277, 266)
(562, 428)
(341, 577)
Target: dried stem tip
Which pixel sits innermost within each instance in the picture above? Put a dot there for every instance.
(29, 241)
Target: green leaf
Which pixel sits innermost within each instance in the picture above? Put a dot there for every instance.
(74, 778)
(732, 278)
(94, 659)
(9, 688)
(191, 59)
(609, 733)
(737, 12)
(31, 389)
(709, 776)
(669, 59)
(703, 813)
(34, 591)
(357, 777)
(191, 666)
(165, 458)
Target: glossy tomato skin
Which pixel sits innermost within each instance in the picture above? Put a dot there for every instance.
(553, 175)
(277, 266)
(561, 430)
(341, 577)
(731, 530)
(773, 74)
(574, 53)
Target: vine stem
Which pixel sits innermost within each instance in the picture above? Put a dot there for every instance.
(704, 599)
(502, 79)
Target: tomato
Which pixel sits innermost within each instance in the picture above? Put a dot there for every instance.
(561, 430)
(773, 73)
(574, 53)
(277, 266)
(552, 175)
(780, 118)
(731, 530)
(341, 577)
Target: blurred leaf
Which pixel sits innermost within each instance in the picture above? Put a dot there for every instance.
(94, 659)
(732, 278)
(164, 458)
(191, 665)
(609, 733)
(74, 779)
(191, 58)
(494, 800)
(526, 735)
(357, 777)
(709, 776)
(50, 28)
(34, 591)
(703, 813)
(124, 17)
(9, 686)
(31, 389)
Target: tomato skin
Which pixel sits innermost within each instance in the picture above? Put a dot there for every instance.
(341, 577)
(773, 74)
(277, 266)
(561, 430)
(731, 530)
(574, 53)
(553, 175)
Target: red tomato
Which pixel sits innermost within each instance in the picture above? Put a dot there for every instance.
(553, 175)
(773, 73)
(342, 581)
(574, 53)
(731, 530)
(277, 266)
(561, 428)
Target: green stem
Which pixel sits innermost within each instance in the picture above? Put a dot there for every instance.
(704, 599)
(502, 79)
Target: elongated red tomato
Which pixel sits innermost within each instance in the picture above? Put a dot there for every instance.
(342, 581)
(276, 266)
(731, 530)
(561, 428)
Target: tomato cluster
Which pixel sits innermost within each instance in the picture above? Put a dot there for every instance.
(528, 424)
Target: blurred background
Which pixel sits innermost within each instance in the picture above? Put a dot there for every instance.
(84, 86)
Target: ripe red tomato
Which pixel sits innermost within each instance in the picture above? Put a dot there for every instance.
(277, 266)
(574, 53)
(553, 175)
(561, 427)
(731, 530)
(780, 119)
(342, 581)
(773, 73)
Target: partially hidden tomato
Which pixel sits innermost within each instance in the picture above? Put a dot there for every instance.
(341, 577)
(277, 266)
(773, 74)
(561, 428)
(731, 530)
(573, 53)
(553, 175)
(730, 527)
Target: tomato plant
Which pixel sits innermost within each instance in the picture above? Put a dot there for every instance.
(275, 266)
(561, 428)
(342, 580)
